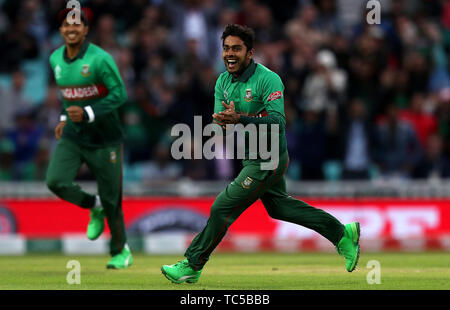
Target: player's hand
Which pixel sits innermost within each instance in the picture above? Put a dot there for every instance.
(59, 129)
(75, 113)
(229, 116)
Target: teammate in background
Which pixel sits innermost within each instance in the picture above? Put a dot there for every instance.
(249, 93)
(90, 132)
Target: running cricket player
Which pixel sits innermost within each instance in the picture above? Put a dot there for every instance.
(249, 93)
(90, 132)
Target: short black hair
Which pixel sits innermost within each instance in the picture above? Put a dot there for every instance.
(62, 15)
(245, 33)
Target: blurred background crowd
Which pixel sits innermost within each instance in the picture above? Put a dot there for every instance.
(362, 101)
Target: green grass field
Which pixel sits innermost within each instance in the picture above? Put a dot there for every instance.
(233, 271)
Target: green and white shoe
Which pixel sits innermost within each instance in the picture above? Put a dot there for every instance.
(348, 246)
(96, 223)
(181, 272)
(122, 260)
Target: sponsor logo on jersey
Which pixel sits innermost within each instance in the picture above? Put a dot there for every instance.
(84, 93)
(274, 96)
(248, 95)
(247, 182)
(85, 71)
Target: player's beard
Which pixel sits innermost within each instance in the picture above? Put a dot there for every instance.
(240, 65)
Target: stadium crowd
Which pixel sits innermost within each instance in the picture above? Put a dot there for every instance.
(362, 101)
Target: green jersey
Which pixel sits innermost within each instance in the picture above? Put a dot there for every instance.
(92, 81)
(258, 97)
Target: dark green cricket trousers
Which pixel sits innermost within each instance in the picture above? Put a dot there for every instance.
(270, 186)
(106, 165)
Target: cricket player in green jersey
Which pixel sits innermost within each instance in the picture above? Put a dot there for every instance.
(90, 132)
(249, 93)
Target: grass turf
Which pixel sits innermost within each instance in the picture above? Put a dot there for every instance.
(233, 271)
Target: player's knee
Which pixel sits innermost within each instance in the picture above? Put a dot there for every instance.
(275, 215)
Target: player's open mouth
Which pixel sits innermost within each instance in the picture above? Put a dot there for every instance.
(72, 36)
(232, 63)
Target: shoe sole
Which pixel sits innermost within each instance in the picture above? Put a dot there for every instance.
(356, 231)
(115, 267)
(190, 281)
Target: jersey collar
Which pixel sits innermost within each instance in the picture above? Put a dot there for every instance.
(80, 54)
(246, 74)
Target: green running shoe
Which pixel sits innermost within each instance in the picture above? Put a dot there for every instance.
(122, 260)
(348, 246)
(181, 272)
(96, 224)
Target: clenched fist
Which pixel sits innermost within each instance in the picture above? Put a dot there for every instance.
(75, 113)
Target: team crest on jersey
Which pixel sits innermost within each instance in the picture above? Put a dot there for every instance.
(112, 157)
(85, 71)
(248, 95)
(57, 72)
(247, 182)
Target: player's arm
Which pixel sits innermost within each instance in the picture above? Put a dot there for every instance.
(62, 122)
(219, 100)
(117, 94)
(63, 117)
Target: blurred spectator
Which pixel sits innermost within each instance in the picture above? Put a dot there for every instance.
(397, 148)
(443, 111)
(162, 169)
(433, 164)
(6, 159)
(191, 25)
(48, 114)
(424, 123)
(16, 44)
(105, 35)
(26, 138)
(356, 142)
(34, 12)
(365, 66)
(12, 100)
(312, 148)
(326, 84)
(349, 13)
(125, 65)
(269, 40)
(143, 125)
(328, 20)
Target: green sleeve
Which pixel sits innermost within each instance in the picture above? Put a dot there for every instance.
(272, 94)
(219, 96)
(117, 95)
(63, 116)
